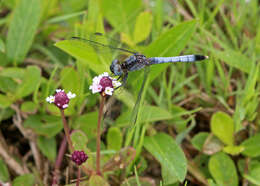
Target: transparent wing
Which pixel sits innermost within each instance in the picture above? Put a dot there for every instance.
(102, 43)
(135, 111)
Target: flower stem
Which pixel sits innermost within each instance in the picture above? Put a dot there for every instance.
(62, 149)
(67, 130)
(101, 106)
(78, 179)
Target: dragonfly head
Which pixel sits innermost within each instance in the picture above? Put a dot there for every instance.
(115, 68)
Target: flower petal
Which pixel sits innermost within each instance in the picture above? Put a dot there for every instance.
(109, 91)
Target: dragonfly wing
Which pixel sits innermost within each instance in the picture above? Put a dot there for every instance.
(102, 43)
(136, 109)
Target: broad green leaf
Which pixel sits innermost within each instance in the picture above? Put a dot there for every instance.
(252, 146)
(233, 150)
(234, 58)
(128, 10)
(79, 140)
(164, 148)
(23, 27)
(148, 114)
(222, 125)
(170, 43)
(13, 72)
(30, 82)
(96, 180)
(4, 174)
(87, 123)
(5, 101)
(5, 113)
(253, 175)
(70, 80)
(45, 125)
(84, 53)
(199, 139)
(223, 170)
(3, 59)
(29, 107)
(7, 85)
(48, 147)
(114, 138)
(24, 180)
(143, 26)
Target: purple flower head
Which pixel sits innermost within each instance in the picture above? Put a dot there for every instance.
(79, 157)
(61, 99)
(104, 84)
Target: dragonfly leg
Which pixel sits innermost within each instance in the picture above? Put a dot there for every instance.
(124, 78)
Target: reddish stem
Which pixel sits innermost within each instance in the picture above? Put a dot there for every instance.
(67, 130)
(59, 159)
(101, 106)
(78, 179)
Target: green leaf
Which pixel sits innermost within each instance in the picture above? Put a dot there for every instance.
(5, 101)
(30, 82)
(7, 85)
(23, 27)
(29, 107)
(223, 170)
(233, 150)
(48, 147)
(4, 174)
(222, 125)
(143, 26)
(199, 139)
(24, 180)
(234, 59)
(149, 114)
(128, 10)
(170, 43)
(87, 123)
(2, 46)
(252, 146)
(254, 172)
(83, 52)
(45, 125)
(114, 139)
(169, 154)
(79, 140)
(70, 80)
(96, 180)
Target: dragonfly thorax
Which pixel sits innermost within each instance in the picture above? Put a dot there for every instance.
(115, 68)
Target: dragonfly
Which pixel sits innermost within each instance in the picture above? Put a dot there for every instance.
(136, 61)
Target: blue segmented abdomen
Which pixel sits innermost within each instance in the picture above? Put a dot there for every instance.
(186, 58)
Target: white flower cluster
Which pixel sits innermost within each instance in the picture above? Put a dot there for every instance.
(97, 85)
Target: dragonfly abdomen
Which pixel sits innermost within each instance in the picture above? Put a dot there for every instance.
(186, 58)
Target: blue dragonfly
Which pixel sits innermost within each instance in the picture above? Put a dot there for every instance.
(136, 61)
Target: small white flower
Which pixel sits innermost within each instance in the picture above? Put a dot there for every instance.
(116, 84)
(96, 80)
(70, 95)
(50, 99)
(96, 88)
(109, 91)
(59, 90)
(105, 74)
(65, 106)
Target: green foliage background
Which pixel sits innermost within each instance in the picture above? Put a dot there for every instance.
(199, 121)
